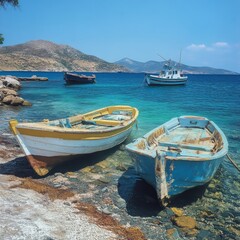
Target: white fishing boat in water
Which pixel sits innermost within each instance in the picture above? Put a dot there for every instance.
(171, 75)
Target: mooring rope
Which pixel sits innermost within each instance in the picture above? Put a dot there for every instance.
(234, 164)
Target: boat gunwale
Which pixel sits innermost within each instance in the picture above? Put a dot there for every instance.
(42, 129)
(132, 147)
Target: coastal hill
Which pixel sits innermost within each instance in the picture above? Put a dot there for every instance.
(155, 66)
(43, 55)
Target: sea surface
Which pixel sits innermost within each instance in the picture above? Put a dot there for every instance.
(216, 97)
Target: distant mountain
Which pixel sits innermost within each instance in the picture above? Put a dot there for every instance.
(154, 66)
(43, 55)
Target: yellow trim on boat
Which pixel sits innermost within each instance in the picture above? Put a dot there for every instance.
(45, 130)
(12, 124)
(73, 135)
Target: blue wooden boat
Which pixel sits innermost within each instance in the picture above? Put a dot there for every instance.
(183, 153)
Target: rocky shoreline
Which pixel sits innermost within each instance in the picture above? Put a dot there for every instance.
(32, 208)
(9, 86)
(90, 198)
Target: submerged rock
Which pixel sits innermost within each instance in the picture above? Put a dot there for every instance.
(185, 222)
(26, 103)
(172, 234)
(177, 211)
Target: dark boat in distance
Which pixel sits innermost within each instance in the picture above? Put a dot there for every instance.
(73, 78)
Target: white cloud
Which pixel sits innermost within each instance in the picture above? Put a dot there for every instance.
(198, 47)
(203, 47)
(221, 44)
(218, 54)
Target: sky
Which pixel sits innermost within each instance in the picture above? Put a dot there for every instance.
(207, 32)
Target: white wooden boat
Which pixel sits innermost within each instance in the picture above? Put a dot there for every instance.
(182, 153)
(49, 143)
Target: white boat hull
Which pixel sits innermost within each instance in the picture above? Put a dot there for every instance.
(51, 147)
(49, 143)
(156, 80)
(180, 154)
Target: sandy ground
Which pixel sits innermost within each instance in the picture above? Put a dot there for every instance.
(26, 214)
(30, 214)
(32, 209)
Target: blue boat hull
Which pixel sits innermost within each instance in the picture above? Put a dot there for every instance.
(181, 175)
(183, 153)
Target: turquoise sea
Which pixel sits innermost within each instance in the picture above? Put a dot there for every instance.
(216, 97)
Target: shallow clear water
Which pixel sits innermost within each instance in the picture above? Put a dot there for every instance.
(216, 97)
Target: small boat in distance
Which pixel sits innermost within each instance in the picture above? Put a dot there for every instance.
(49, 143)
(33, 78)
(171, 75)
(166, 78)
(73, 78)
(183, 153)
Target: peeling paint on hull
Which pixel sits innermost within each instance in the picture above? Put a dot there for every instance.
(183, 153)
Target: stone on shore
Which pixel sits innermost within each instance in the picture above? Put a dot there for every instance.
(13, 100)
(8, 92)
(11, 82)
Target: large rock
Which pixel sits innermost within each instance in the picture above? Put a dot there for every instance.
(11, 82)
(13, 100)
(8, 95)
(8, 99)
(7, 92)
(17, 101)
